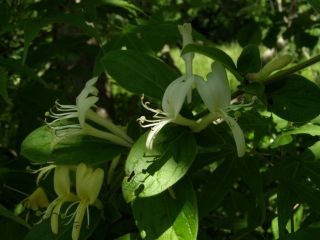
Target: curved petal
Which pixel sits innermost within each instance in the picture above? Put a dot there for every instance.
(84, 106)
(61, 180)
(215, 93)
(154, 131)
(175, 94)
(81, 174)
(94, 184)
(237, 133)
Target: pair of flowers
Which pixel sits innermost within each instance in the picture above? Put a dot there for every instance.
(88, 186)
(215, 93)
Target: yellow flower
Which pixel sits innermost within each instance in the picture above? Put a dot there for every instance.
(38, 199)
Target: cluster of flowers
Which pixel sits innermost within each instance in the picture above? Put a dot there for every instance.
(88, 185)
(81, 119)
(215, 93)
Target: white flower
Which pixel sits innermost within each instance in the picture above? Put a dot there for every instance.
(71, 119)
(216, 95)
(172, 103)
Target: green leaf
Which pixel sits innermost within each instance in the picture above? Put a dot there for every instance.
(16, 66)
(251, 175)
(249, 60)
(313, 130)
(4, 85)
(315, 4)
(123, 4)
(139, 73)
(34, 25)
(150, 172)
(168, 216)
(10, 215)
(308, 233)
(217, 186)
(215, 54)
(129, 236)
(43, 146)
(294, 98)
(249, 34)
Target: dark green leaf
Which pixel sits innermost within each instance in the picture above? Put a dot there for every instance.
(217, 186)
(42, 146)
(294, 98)
(249, 60)
(150, 172)
(249, 34)
(10, 215)
(315, 4)
(139, 73)
(308, 233)
(215, 54)
(4, 85)
(168, 216)
(129, 236)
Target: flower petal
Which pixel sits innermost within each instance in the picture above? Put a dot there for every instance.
(154, 131)
(215, 93)
(61, 181)
(175, 94)
(84, 106)
(237, 133)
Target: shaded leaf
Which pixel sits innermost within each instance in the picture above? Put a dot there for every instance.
(168, 216)
(249, 60)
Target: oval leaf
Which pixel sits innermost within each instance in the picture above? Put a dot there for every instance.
(168, 216)
(150, 172)
(42, 146)
(139, 73)
(294, 98)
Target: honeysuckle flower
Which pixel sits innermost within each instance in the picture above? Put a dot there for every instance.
(62, 186)
(174, 95)
(71, 119)
(88, 186)
(216, 94)
(38, 199)
(172, 103)
(42, 172)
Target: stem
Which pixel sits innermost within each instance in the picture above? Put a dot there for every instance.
(282, 74)
(185, 121)
(108, 125)
(105, 135)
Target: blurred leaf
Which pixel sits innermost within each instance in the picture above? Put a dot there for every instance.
(10, 215)
(150, 172)
(294, 98)
(307, 233)
(43, 146)
(129, 236)
(315, 4)
(217, 186)
(139, 73)
(34, 25)
(4, 85)
(16, 67)
(249, 34)
(313, 130)
(168, 216)
(249, 60)
(123, 4)
(215, 54)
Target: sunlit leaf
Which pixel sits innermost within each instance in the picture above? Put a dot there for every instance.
(150, 172)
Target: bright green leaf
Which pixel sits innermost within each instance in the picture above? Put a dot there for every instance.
(42, 146)
(150, 172)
